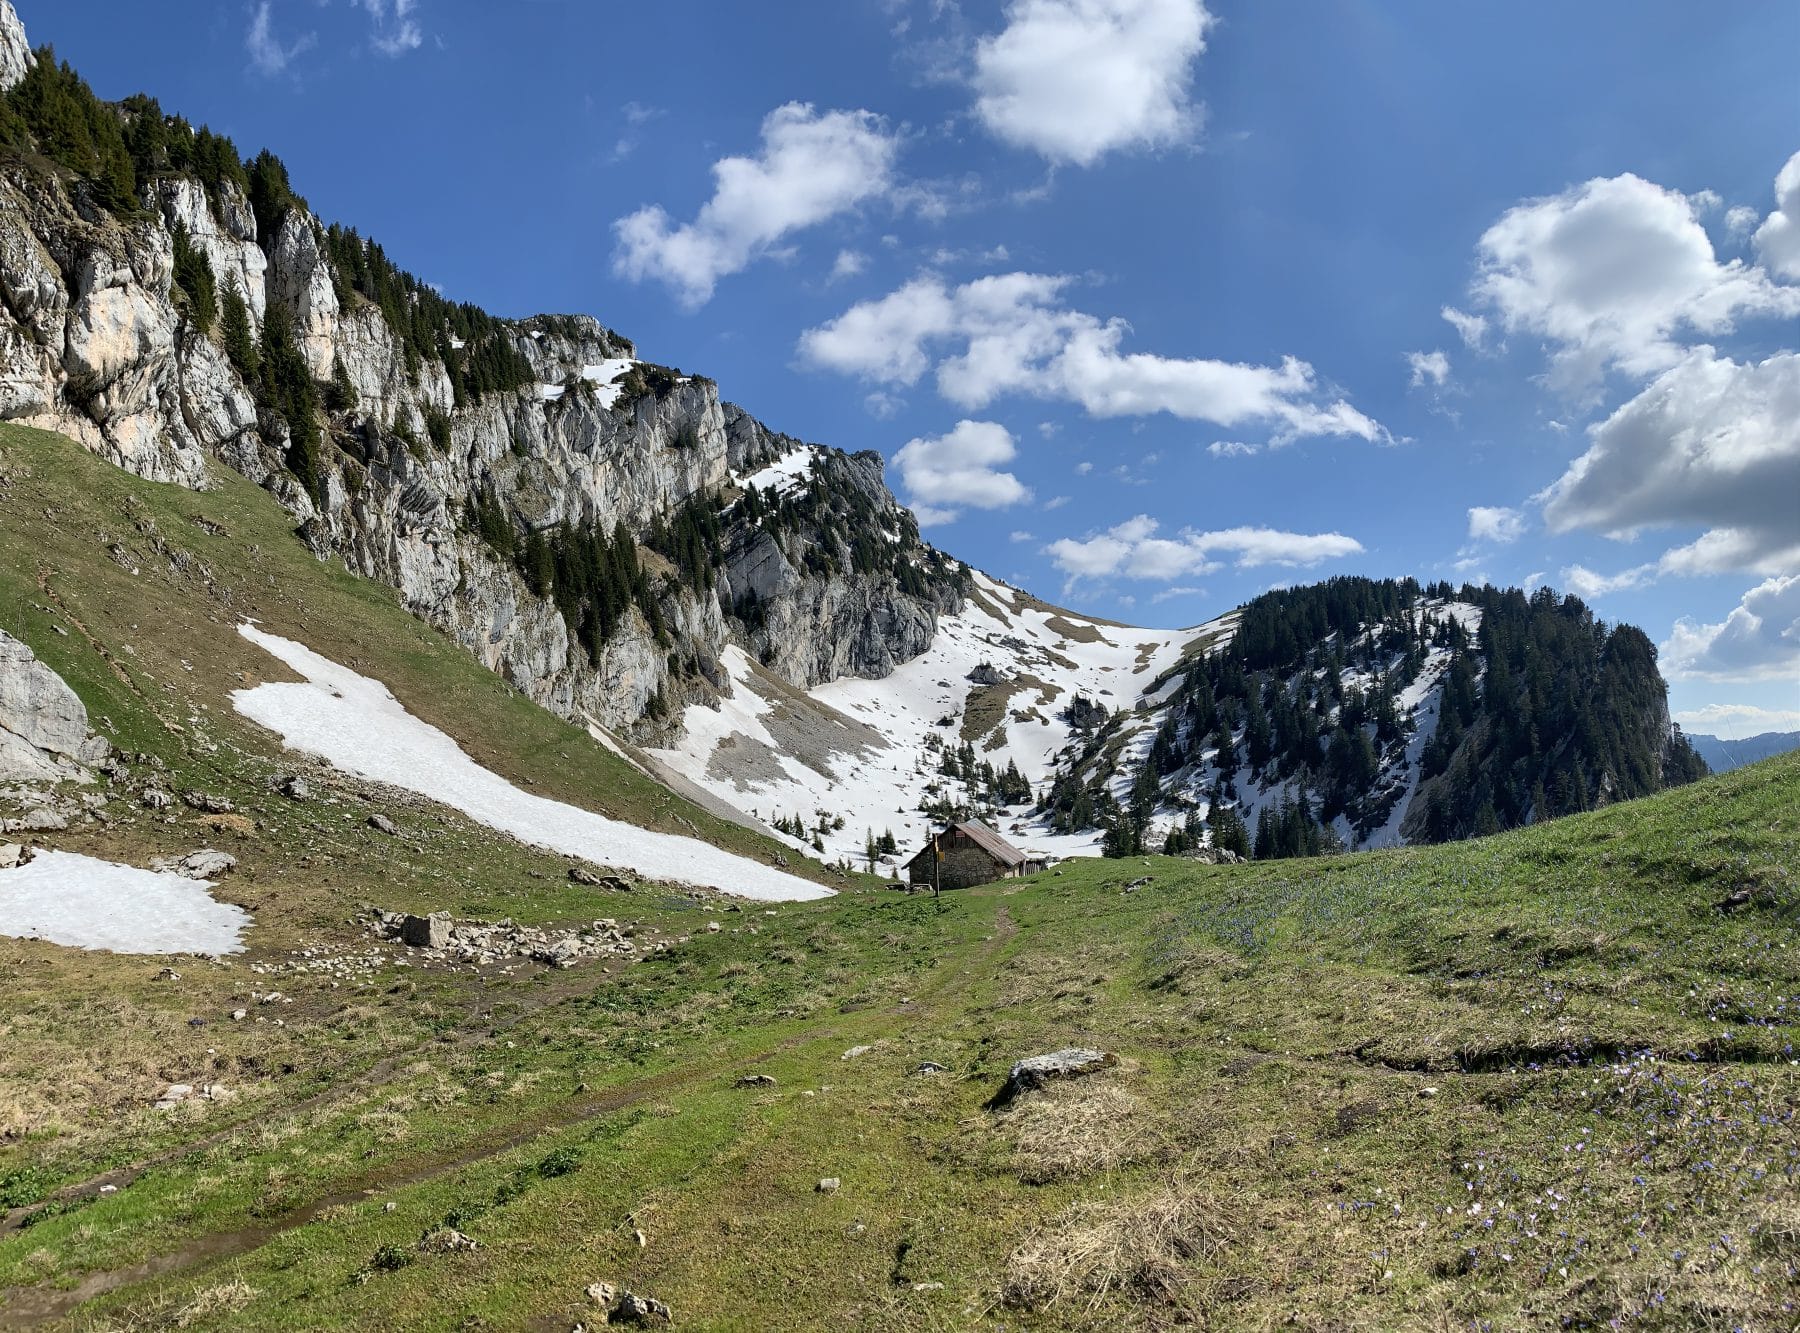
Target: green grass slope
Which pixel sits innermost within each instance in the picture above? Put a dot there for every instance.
(1546, 1079)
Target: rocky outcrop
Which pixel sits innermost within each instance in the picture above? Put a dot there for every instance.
(15, 51)
(97, 343)
(44, 734)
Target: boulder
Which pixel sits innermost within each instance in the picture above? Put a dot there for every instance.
(44, 819)
(382, 824)
(207, 803)
(13, 855)
(426, 932)
(1031, 1074)
(43, 724)
(203, 864)
(448, 1241)
(641, 1310)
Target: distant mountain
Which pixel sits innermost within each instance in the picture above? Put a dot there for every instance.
(1722, 756)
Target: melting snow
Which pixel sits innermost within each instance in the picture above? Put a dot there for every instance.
(874, 778)
(356, 724)
(90, 904)
(603, 376)
(786, 474)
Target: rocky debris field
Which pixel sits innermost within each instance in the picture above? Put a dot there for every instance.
(439, 938)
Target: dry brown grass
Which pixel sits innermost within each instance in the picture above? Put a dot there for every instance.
(1074, 1129)
(1143, 1249)
(210, 1303)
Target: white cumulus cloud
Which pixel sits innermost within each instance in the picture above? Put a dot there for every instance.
(1711, 443)
(1013, 333)
(1133, 550)
(1588, 584)
(1777, 241)
(1736, 721)
(812, 166)
(1471, 328)
(1428, 368)
(1611, 273)
(1494, 523)
(1073, 80)
(1759, 640)
(946, 474)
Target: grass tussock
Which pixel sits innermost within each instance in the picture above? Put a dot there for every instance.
(1144, 1249)
(213, 1303)
(1076, 1129)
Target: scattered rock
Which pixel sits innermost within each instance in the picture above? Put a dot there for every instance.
(986, 674)
(713, 928)
(13, 855)
(168, 974)
(207, 802)
(174, 1095)
(482, 943)
(1428, 1092)
(756, 1081)
(1735, 899)
(448, 1241)
(239, 1015)
(602, 1294)
(930, 1067)
(640, 1310)
(1031, 1074)
(928, 1286)
(382, 824)
(155, 798)
(425, 932)
(294, 787)
(203, 864)
(1139, 883)
(855, 1051)
(829, 1185)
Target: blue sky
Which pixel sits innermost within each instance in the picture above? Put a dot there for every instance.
(1144, 300)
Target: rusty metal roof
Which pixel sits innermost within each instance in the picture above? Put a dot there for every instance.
(991, 842)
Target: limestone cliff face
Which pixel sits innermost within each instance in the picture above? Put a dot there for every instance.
(15, 51)
(97, 342)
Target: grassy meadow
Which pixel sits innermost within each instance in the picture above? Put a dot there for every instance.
(1541, 1080)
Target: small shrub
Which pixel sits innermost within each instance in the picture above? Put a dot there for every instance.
(560, 1163)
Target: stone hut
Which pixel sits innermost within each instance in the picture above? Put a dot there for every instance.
(966, 854)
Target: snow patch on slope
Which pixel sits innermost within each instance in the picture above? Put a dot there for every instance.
(86, 903)
(354, 723)
(604, 376)
(860, 749)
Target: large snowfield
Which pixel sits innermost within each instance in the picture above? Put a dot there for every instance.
(862, 749)
(85, 903)
(355, 724)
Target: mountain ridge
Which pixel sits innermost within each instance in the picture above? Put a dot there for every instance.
(610, 535)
